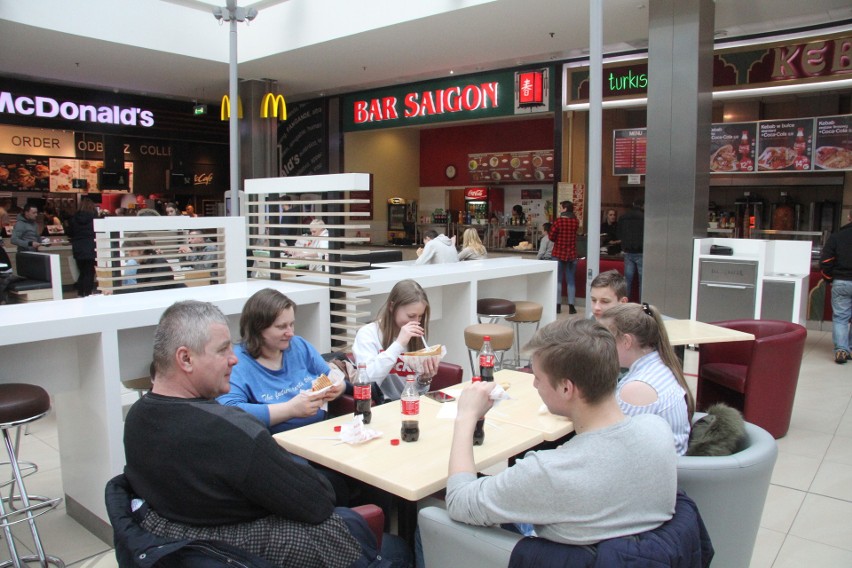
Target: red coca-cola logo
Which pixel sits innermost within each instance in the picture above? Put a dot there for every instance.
(475, 192)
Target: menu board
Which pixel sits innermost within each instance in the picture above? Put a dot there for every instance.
(833, 143)
(64, 170)
(732, 147)
(50, 174)
(785, 144)
(528, 166)
(630, 149)
(20, 173)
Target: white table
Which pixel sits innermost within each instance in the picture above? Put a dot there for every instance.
(81, 349)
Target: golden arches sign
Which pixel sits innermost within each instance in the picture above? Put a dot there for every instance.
(226, 108)
(269, 106)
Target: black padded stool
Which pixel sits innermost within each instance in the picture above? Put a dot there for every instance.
(21, 404)
(492, 309)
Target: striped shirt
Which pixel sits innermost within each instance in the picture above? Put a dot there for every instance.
(671, 398)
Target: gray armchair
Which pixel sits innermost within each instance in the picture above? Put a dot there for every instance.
(730, 492)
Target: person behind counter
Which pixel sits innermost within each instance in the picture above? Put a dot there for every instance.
(273, 380)
(25, 232)
(401, 325)
(436, 249)
(518, 219)
(545, 245)
(654, 383)
(609, 232)
(472, 247)
(81, 233)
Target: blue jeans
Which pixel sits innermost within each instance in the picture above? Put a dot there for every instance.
(841, 307)
(632, 265)
(565, 268)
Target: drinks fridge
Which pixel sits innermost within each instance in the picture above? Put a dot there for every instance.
(401, 215)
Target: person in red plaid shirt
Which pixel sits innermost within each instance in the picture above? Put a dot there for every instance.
(563, 233)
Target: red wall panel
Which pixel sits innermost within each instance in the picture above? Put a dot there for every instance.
(441, 147)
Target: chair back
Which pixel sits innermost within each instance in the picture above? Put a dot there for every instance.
(730, 492)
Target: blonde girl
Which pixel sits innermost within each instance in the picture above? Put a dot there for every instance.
(472, 247)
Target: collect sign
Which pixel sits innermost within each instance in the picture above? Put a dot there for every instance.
(460, 98)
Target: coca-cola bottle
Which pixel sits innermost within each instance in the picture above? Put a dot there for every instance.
(410, 400)
(363, 395)
(746, 164)
(479, 431)
(486, 360)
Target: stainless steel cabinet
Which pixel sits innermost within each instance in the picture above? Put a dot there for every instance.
(726, 289)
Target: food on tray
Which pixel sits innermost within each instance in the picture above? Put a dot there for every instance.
(724, 159)
(776, 158)
(321, 382)
(834, 158)
(433, 351)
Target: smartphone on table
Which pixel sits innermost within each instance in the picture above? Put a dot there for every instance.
(440, 396)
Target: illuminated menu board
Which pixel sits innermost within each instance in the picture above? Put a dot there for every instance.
(630, 150)
(833, 143)
(785, 145)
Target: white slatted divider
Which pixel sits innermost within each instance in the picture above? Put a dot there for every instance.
(272, 232)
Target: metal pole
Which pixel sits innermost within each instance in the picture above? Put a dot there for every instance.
(235, 114)
(593, 232)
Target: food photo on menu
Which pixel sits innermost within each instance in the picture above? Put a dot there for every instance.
(833, 142)
(785, 145)
(20, 173)
(732, 147)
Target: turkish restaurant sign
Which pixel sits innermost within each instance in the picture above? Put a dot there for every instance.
(820, 59)
(487, 95)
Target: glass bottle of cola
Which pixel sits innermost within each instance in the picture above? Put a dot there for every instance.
(479, 431)
(486, 360)
(363, 396)
(410, 400)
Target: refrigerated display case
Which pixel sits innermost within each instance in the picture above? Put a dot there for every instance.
(401, 215)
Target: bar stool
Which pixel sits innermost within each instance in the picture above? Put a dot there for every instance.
(525, 313)
(141, 385)
(493, 309)
(21, 404)
(501, 341)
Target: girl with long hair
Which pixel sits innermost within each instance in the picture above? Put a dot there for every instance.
(472, 247)
(401, 325)
(654, 383)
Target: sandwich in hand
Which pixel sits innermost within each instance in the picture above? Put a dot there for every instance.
(321, 382)
(433, 351)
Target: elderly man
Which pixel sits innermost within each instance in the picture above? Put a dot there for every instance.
(214, 472)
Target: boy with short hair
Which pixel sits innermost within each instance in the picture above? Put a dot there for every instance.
(608, 289)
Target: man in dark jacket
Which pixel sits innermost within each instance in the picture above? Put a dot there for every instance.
(631, 233)
(836, 266)
(81, 232)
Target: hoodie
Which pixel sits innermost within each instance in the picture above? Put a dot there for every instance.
(438, 251)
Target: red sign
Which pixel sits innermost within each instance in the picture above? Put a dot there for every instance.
(475, 193)
(530, 90)
(427, 103)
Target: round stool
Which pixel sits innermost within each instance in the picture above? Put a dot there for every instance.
(528, 313)
(493, 309)
(21, 404)
(501, 341)
(141, 385)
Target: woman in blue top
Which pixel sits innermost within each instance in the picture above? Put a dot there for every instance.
(654, 383)
(276, 366)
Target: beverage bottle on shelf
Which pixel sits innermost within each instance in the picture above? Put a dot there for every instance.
(479, 431)
(363, 395)
(410, 400)
(486, 360)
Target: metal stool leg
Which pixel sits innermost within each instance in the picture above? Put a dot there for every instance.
(26, 511)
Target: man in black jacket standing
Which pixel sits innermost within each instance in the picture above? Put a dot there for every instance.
(631, 233)
(836, 265)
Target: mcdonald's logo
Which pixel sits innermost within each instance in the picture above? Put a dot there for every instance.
(271, 103)
(226, 108)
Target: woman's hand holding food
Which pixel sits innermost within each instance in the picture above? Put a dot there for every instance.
(306, 404)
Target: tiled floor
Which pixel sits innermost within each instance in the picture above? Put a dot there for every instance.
(807, 520)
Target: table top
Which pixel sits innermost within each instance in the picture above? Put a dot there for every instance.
(525, 408)
(692, 332)
(411, 470)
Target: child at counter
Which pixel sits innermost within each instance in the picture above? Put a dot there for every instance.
(401, 325)
(654, 383)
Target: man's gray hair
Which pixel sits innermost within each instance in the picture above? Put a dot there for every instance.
(186, 324)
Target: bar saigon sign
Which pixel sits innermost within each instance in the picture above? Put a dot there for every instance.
(483, 95)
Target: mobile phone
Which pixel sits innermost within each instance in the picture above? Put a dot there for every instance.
(440, 396)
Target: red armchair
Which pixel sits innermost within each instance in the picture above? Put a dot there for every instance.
(758, 377)
(448, 374)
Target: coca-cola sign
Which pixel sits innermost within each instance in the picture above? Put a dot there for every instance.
(475, 193)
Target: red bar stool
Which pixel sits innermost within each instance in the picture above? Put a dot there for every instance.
(21, 404)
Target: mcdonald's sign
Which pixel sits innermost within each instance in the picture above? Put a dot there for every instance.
(270, 104)
(226, 108)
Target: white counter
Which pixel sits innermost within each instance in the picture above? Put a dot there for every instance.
(81, 349)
